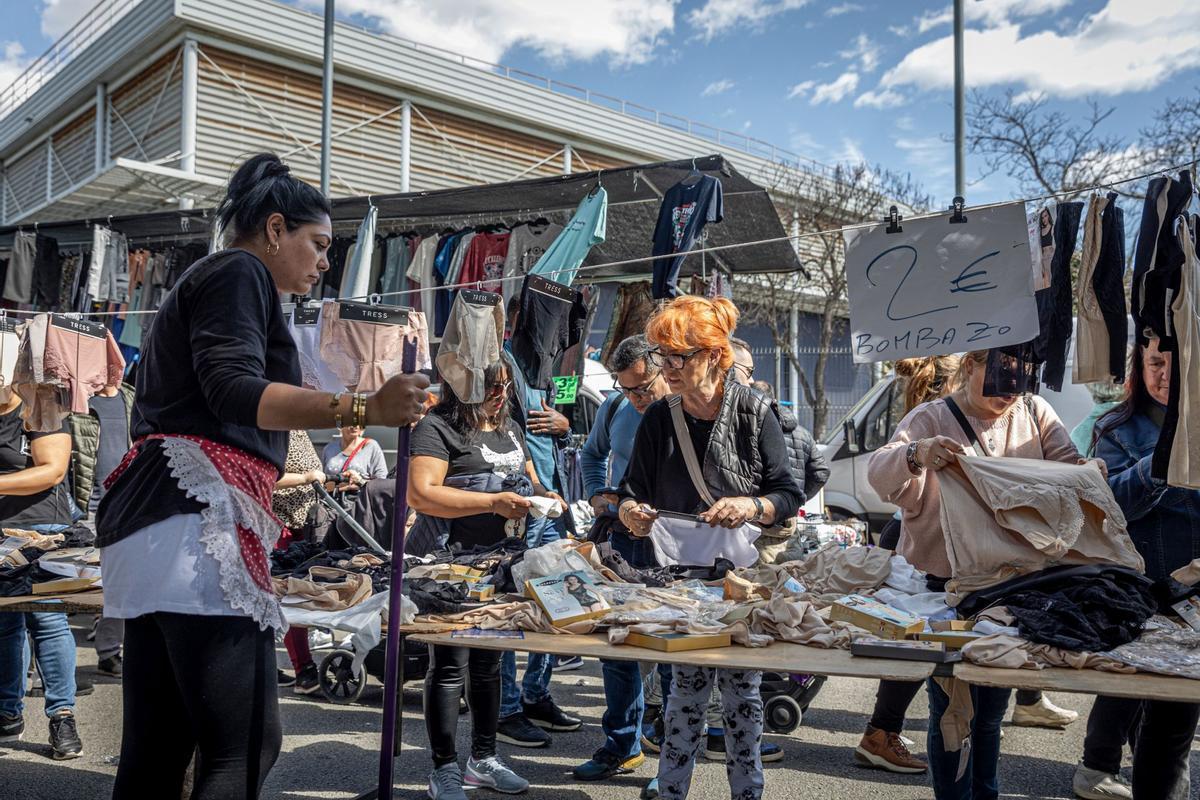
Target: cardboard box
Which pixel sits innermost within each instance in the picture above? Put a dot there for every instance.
(954, 640)
(481, 592)
(63, 586)
(678, 642)
(952, 625)
(458, 572)
(904, 650)
(875, 618)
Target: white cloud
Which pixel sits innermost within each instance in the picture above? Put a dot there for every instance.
(746, 125)
(717, 87)
(837, 90)
(990, 12)
(59, 15)
(623, 31)
(883, 98)
(843, 8)
(863, 50)
(929, 156)
(801, 89)
(851, 153)
(12, 63)
(1128, 46)
(720, 16)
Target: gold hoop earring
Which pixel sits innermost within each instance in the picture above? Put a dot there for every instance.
(271, 252)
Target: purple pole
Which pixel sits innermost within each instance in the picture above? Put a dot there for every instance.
(389, 746)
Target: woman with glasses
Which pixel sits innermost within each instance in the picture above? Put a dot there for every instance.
(470, 470)
(743, 458)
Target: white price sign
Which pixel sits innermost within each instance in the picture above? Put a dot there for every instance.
(936, 288)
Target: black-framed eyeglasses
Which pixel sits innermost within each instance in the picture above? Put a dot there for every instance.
(638, 391)
(747, 371)
(672, 360)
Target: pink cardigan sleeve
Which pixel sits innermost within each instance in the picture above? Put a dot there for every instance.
(888, 471)
(1056, 441)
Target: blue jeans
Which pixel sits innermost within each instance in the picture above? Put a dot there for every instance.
(625, 705)
(638, 552)
(54, 646)
(536, 685)
(981, 779)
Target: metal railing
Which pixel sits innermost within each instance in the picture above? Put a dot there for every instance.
(718, 136)
(104, 14)
(90, 27)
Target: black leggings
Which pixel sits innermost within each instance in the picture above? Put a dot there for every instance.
(449, 668)
(193, 682)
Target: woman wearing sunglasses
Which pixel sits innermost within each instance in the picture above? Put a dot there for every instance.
(742, 459)
(469, 470)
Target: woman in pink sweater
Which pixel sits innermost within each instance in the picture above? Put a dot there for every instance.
(904, 472)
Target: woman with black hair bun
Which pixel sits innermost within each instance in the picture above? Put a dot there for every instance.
(186, 525)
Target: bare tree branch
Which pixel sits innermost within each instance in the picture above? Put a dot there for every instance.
(813, 203)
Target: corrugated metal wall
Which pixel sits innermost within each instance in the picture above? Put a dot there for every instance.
(246, 106)
(26, 179)
(74, 153)
(149, 109)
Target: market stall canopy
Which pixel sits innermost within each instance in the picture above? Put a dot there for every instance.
(634, 197)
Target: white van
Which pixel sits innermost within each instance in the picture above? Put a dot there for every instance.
(873, 420)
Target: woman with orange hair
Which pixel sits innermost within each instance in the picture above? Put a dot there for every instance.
(742, 475)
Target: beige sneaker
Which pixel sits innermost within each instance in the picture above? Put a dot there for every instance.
(1043, 714)
(887, 751)
(1092, 784)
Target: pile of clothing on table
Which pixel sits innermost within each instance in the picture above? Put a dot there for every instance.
(1041, 562)
(22, 550)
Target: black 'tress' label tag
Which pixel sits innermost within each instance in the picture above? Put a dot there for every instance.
(306, 315)
(80, 326)
(479, 298)
(555, 290)
(378, 315)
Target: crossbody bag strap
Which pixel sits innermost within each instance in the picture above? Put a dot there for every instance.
(972, 437)
(689, 452)
(354, 452)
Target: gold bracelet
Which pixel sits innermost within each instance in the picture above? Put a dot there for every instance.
(360, 410)
(336, 405)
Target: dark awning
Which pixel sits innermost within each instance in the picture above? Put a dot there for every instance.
(634, 197)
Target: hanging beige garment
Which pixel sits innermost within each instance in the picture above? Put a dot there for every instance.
(1005, 517)
(1091, 334)
(1184, 467)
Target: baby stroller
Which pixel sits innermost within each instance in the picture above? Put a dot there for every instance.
(340, 683)
(786, 697)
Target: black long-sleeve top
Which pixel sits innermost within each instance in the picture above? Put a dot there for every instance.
(657, 473)
(218, 340)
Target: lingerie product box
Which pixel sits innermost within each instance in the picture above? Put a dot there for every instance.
(567, 597)
(876, 618)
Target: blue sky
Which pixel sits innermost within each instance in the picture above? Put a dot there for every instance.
(833, 80)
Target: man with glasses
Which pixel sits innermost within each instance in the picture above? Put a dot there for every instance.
(604, 459)
(743, 361)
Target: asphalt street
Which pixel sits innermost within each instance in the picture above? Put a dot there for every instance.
(330, 751)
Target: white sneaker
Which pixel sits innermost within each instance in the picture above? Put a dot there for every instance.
(1043, 714)
(492, 773)
(1092, 784)
(446, 783)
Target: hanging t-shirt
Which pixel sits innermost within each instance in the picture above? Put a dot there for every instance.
(685, 210)
(585, 230)
(114, 441)
(500, 452)
(484, 261)
(48, 507)
(526, 245)
(420, 272)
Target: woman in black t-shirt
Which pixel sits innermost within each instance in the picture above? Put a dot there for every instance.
(34, 496)
(469, 466)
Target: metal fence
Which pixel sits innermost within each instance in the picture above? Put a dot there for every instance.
(846, 382)
(90, 27)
